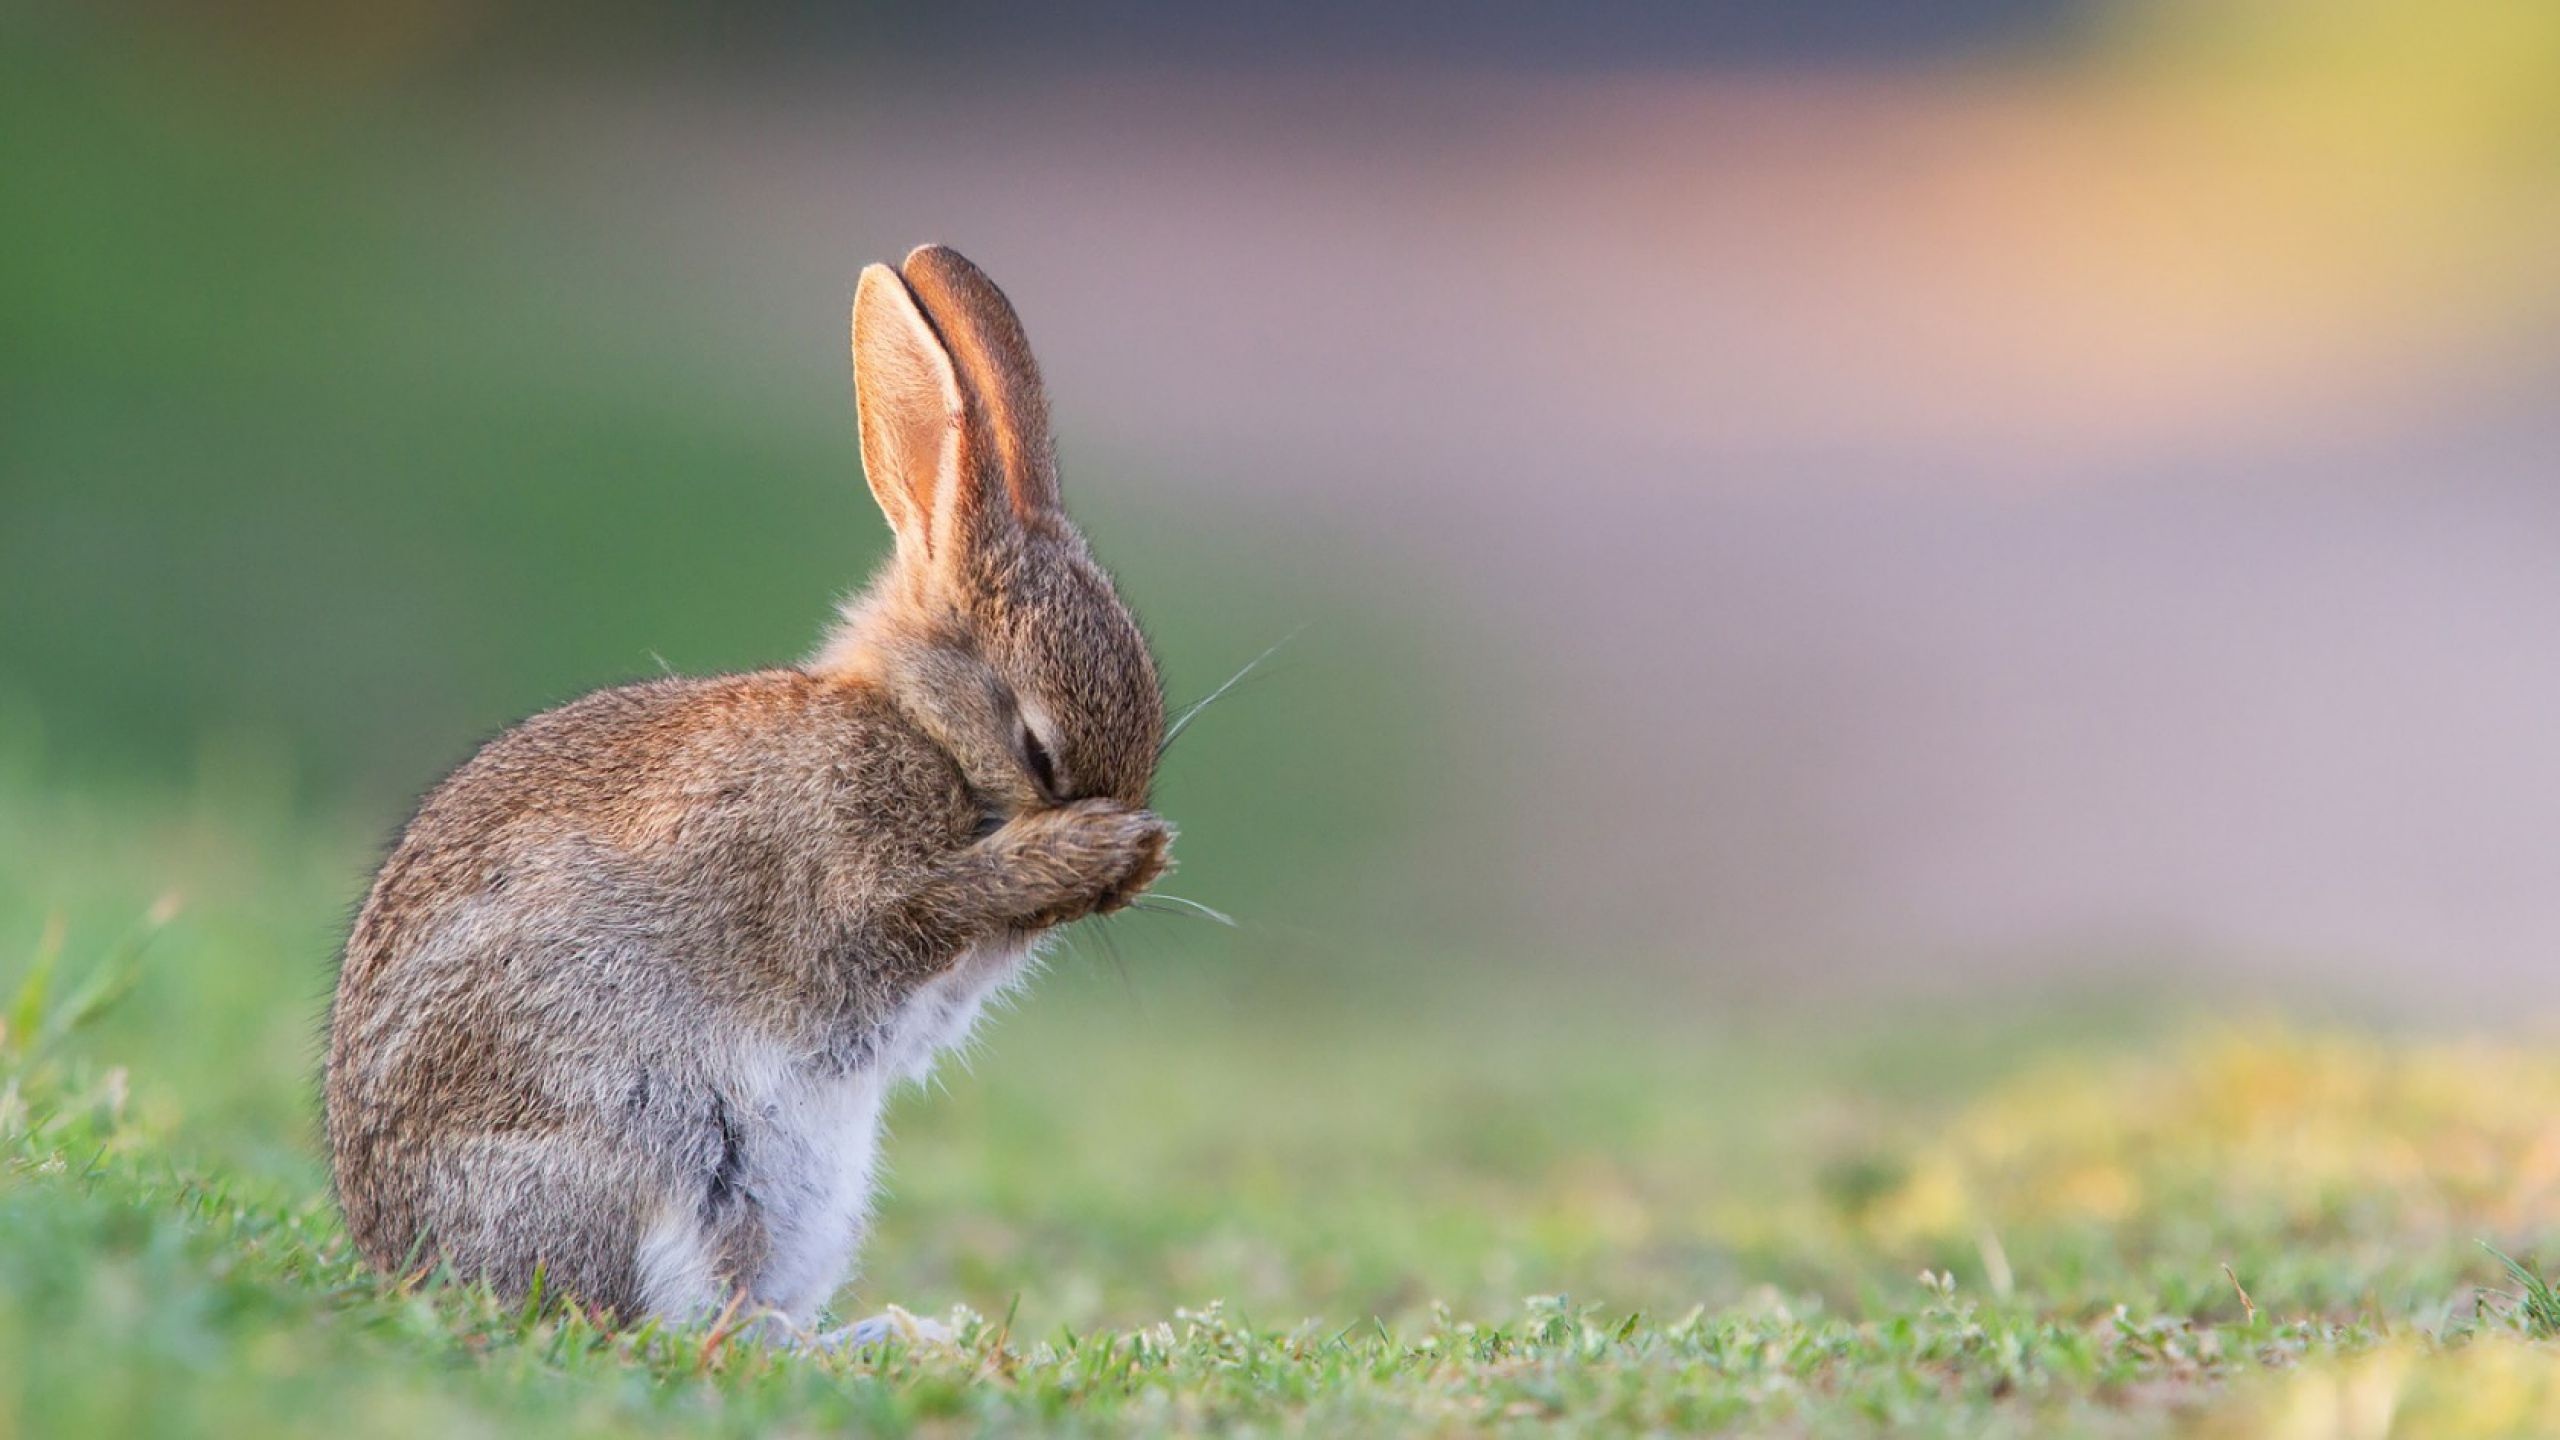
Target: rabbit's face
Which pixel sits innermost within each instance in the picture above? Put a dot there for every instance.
(1033, 677)
(994, 626)
(1092, 709)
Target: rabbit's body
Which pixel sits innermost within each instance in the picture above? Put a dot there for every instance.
(627, 999)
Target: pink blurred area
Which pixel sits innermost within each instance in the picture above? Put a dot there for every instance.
(1923, 518)
(1916, 516)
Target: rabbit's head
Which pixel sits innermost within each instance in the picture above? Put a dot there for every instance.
(992, 625)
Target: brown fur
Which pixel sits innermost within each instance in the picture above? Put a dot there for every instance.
(585, 923)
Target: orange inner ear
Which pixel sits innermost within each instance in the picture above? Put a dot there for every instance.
(911, 409)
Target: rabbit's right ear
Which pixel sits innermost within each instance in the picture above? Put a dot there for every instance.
(913, 415)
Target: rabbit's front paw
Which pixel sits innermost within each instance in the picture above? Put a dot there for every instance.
(1091, 857)
(1149, 855)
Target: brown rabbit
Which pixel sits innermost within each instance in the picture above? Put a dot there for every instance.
(626, 999)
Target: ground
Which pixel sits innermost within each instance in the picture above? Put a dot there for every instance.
(1308, 1201)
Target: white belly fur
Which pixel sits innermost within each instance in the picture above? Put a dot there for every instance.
(812, 1142)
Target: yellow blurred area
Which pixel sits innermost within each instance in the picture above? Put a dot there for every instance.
(2278, 1131)
(2493, 1386)
(2407, 152)
(2229, 210)
(2463, 90)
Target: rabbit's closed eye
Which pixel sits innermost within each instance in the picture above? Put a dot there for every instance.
(1036, 755)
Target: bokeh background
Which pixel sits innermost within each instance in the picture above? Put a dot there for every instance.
(1771, 493)
(1777, 505)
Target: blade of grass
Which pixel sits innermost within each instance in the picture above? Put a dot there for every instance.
(108, 982)
(26, 1013)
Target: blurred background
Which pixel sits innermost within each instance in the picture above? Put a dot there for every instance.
(1808, 499)
(1843, 558)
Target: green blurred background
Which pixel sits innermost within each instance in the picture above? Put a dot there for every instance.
(330, 448)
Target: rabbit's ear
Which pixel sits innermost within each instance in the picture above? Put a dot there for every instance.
(913, 412)
(985, 341)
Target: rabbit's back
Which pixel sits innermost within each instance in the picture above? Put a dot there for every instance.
(589, 940)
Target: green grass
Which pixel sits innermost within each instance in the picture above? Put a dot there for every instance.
(1220, 1185)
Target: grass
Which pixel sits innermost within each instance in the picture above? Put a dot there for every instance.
(1228, 1187)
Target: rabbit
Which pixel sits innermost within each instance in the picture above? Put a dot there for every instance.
(625, 1000)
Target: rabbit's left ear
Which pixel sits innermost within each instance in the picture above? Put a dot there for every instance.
(985, 341)
(914, 415)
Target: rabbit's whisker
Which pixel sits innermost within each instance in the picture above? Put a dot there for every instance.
(1101, 931)
(1192, 711)
(1163, 904)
